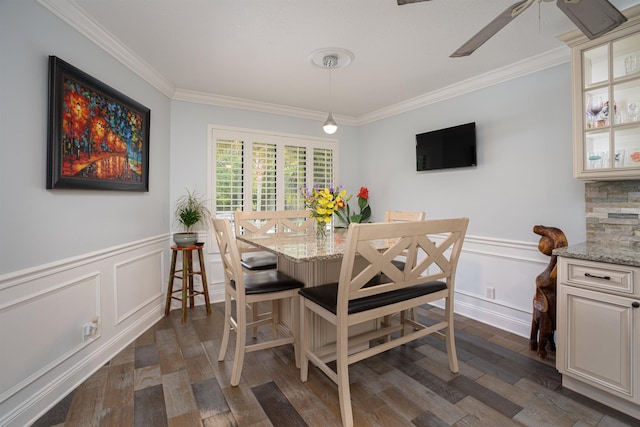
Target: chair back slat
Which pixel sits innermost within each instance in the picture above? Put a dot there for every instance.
(229, 252)
(402, 216)
(263, 222)
(433, 246)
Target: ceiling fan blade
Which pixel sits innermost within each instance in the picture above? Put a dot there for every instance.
(401, 2)
(491, 29)
(593, 17)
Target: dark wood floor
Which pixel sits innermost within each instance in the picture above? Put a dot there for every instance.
(170, 377)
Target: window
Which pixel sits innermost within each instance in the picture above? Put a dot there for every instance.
(262, 171)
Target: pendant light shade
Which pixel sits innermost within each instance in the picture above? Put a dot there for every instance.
(330, 127)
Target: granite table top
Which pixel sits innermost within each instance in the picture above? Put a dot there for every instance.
(304, 247)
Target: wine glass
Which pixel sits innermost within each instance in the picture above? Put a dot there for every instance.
(633, 111)
(594, 107)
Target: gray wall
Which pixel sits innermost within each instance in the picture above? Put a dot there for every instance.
(524, 174)
(38, 226)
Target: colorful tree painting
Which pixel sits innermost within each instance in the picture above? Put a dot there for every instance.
(98, 128)
(98, 138)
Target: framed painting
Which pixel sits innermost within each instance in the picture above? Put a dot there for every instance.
(98, 138)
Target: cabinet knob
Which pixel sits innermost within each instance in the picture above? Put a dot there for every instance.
(635, 304)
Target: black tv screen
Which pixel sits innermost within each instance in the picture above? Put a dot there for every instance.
(453, 147)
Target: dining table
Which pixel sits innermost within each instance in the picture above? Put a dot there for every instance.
(314, 262)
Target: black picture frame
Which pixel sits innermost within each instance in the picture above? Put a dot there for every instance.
(98, 138)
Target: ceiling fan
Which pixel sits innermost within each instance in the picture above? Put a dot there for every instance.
(593, 17)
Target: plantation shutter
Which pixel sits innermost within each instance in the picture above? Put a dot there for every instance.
(229, 177)
(261, 171)
(323, 167)
(263, 177)
(295, 175)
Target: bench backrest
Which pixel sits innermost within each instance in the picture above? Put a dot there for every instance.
(433, 249)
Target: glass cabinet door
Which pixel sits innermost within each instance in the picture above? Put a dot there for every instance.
(611, 109)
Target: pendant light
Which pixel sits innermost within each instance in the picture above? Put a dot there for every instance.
(330, 58)
(330, 126)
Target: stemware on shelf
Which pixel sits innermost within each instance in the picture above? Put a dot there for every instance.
(594, 108)
(633, 111)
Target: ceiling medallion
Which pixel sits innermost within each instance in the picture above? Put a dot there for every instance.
(345, 57)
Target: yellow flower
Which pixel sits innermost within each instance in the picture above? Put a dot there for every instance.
(323, 202)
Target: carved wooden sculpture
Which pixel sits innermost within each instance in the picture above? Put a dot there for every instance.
(543, 323)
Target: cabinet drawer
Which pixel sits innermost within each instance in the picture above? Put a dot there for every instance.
(612, 278)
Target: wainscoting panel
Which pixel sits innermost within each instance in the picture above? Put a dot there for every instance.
(60, 338)
(138, 282)
(43, 311)
(495, 282)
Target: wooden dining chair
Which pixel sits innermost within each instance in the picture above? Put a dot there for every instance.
(253, 258)
(404, 216)
(244, 288)
(359, 296)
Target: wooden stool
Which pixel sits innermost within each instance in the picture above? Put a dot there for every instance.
(187, 271)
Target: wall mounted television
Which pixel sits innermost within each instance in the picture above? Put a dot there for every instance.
(453, 147)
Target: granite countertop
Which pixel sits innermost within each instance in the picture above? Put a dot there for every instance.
(601, 252)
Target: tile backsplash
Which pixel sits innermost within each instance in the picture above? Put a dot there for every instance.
(613, 212)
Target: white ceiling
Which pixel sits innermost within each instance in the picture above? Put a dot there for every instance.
(258, 50)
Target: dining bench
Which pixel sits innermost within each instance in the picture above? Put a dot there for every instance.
(371, 287)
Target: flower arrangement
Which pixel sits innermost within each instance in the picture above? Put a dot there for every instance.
(322, 204)
(344, 212)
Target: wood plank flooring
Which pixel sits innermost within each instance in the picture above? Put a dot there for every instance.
(170, 376)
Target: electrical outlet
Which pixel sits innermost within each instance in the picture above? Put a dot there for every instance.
(491, 293)
(89, 329)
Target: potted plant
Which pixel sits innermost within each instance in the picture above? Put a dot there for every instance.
(190, 210)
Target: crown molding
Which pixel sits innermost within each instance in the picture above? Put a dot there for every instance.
(518, 69)
(263, 107)
(77, 18)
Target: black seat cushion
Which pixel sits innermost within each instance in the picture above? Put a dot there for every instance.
(327, 296)
(266, 261)
(269, 281)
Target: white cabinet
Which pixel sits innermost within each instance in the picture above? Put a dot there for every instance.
(598, 331)
(606, 102)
